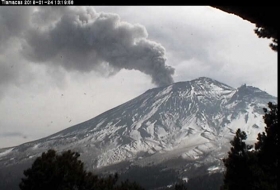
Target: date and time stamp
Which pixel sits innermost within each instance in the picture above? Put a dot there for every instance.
(37, 2)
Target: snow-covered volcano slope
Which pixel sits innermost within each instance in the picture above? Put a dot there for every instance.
(185, 119)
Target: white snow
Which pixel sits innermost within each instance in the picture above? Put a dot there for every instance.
(36, 146)
(135, 135)
(213, 168)
(151, 128)
(164, 91)
(185, 179)
(6, 152)
(170, 121)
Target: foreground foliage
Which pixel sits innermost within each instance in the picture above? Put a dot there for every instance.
(248, 168)
(66, 172)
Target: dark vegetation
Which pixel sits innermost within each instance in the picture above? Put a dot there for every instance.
(254, 167)
(151, 177)
(66, 172)
(207, 181)
(247, 167)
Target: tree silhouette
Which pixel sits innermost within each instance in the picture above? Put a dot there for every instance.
(180, 186)
(52, 171)
(66, 172)
(254, 169)
(268, 150)
(237, 163)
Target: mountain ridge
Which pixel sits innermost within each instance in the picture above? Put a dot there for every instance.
(203, 113)
(184, 128)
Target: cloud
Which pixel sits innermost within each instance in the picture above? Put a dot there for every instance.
(41, 43)
(13, 22)
(79, 39)
(14, 71)
(11, 134)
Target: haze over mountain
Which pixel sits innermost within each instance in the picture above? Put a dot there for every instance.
(192, 121)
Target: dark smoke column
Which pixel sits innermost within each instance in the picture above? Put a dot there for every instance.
(80, 39)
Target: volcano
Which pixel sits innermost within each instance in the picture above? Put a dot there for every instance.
(192, 121)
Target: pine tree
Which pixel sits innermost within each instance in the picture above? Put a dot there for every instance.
(181, 186)
(256, 169)
(52, 171)
(268, 150)
(127, 185)
(237, 163)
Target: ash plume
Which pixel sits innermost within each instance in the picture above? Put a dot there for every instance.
(79, 39)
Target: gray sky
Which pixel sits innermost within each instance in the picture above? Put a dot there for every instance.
(60, 66)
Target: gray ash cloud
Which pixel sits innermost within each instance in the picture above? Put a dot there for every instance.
(79, 39)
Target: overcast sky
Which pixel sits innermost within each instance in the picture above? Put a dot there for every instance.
(60, 66)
